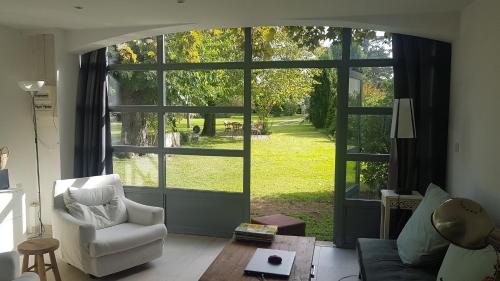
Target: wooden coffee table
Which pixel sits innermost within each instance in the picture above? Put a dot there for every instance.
(231, 262)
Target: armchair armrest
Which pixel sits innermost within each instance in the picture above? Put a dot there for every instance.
(9, 265)
(72, 233)
(143, 214)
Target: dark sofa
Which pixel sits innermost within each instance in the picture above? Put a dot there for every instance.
(379, 261)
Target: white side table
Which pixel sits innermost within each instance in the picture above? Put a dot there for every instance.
(392, 200)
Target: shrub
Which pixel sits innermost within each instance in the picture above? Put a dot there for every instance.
(322, 104)
(186, 138)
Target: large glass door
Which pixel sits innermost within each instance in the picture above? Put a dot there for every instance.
(169, 108)
(181, 112)
(364, 121)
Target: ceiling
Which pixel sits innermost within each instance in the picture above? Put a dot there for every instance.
(96, 14)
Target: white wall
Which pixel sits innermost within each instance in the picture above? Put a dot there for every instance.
(28, 58)
(474, 170)
(440, 26)
(67, 66)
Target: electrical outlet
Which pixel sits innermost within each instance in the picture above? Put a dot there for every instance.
(456, 147)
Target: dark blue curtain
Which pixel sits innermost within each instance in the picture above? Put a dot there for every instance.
(422, 72)
(93, 154)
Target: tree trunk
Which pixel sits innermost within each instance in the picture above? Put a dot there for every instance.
(188, 120)
(134, 129)
(209, 125)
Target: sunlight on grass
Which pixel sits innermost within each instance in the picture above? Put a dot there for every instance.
(294, 166)
(205, 172)
(296, 162)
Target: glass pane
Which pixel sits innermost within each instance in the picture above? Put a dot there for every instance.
(141, 51)
(212, 45)
(369, 133)
(133, 88)
(371, 86)
(371, 44)
(208, 130)
(282, 43)
(136, 169)
(285, 92)
(221, 87)
(134, 128)
(214, 173)
(364, 180)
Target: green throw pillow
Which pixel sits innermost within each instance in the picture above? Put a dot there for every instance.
(419, 243)
(461, 264)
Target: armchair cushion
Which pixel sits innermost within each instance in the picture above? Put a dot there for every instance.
(9, 269)
(92, 196)
(98, 206)
(9, 266)
(112, 240)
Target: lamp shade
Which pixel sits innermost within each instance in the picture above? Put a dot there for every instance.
(463, 222)
(403, 119)
(31, 86)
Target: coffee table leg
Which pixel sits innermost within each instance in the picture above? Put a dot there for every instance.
(26, 261)
(55, 269)
(41, 267)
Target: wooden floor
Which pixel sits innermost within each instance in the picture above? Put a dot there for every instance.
(185, 258)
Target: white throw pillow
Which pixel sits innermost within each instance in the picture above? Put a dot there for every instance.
(419, 243)
(98, 206)
(461, 264)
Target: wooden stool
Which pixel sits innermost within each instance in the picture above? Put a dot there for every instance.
(38, 247)
(286, 225)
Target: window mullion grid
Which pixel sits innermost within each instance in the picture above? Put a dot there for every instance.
(247, 120)
(160, 42)
(341, 141)
(359, 110)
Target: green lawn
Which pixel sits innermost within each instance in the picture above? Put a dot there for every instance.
(292, 170)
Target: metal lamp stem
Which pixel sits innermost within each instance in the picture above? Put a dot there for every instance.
(41, 228)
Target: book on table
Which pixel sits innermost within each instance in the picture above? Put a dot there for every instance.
(255, 232)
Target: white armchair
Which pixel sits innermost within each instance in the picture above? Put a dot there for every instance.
(10, 271)
(101, 252)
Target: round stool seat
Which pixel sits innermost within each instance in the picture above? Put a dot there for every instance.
(38, 246)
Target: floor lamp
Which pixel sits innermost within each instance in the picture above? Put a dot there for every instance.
(402, 128)
(32, 88)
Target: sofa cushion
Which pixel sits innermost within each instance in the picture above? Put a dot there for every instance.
(98, 206)
(419, 243)
(379, 261)
(461, 264)
(112, 240)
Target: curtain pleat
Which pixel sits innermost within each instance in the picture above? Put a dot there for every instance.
(422, 72)
(93, 154)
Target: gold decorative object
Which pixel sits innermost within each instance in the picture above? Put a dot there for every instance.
(4, 156)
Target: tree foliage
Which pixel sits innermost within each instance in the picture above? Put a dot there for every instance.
(322, 104)
(271, 88)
